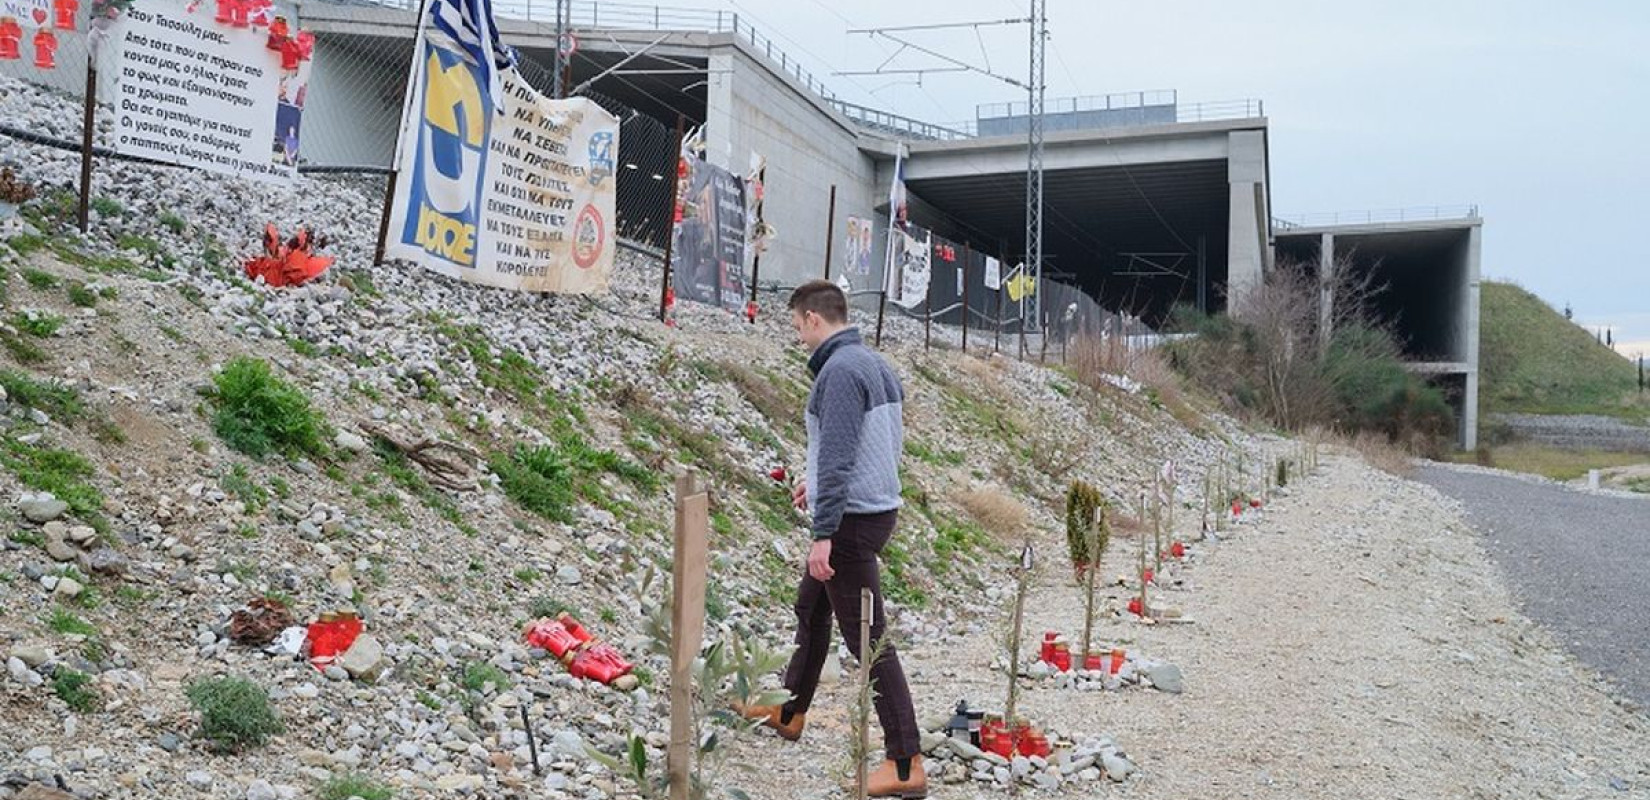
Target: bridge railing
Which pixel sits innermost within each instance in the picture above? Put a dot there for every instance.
(1376, 216)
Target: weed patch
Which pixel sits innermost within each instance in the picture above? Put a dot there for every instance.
(235, 713)
(258, 413)
(75, 689)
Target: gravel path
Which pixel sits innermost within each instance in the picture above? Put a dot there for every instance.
(1578, 561)
(1355, 640)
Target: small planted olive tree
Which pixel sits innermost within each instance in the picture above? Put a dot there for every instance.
(1083, 503)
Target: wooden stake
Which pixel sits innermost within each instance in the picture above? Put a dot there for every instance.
(1024, 578)
(830, 231)
(687, 623)
(670, 235)
(968, 258)
(1094, 568)
(84, 211)
(756, 260)
(532, 743)
(1157, 527)
(861, 777)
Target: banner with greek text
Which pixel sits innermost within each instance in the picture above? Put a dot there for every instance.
(223, 93)
(707, 261)
(519, 200)
(912, 267)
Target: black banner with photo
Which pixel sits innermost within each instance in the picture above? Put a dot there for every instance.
(708, 258)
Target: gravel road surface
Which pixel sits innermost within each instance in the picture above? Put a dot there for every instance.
(1578, 561)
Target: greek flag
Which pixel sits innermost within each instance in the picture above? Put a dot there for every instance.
(468, 24)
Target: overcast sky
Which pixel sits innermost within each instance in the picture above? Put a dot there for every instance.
(1537, 112)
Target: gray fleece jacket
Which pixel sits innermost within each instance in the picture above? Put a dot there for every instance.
(855, 433)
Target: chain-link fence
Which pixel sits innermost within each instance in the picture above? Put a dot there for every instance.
(351, 109)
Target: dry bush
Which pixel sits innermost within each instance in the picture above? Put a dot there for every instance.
(996, 511)
(1055, 452)
(1379, 452)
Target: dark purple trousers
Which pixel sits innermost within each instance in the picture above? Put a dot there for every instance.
(854, 550)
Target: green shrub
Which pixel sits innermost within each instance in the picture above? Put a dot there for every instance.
(237, 484)
(74, 688)
(25, 351)
(107, 206)
(235, 713)
(172, 222)
(82, 296)
(344, 787)
(38, 324)
(60, 472)
(539, 479)
(478, 675)
(258, 413)
(57, 400)
(39, 279)
(65, 622)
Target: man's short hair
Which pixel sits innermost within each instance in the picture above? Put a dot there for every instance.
(823, 298)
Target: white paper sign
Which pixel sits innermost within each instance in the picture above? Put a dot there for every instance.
(198, 93)
(993, 274)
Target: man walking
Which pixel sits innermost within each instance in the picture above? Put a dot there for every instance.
(855, 437)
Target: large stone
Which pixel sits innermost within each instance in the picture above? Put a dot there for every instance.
(364, 660)
(1077, 765)
(43, 510)
(60, 550)
(82, 535)
(261, 790)
(964, 749)
(1166, 677)
(68, 588)
(106, 561)
(351, 442)
(569, 575)
(1117, 767)
(31, 655)
(460, 783)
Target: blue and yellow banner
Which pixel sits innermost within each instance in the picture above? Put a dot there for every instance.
(519, 197)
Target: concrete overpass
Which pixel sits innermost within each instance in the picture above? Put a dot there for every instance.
(1141, 217)
(1425, 265)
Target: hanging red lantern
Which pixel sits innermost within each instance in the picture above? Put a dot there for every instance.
(277, 34)
(225, 15)
(65, 11)
(290, 56)
(45, 49)
(10, 35)
(240, 13)
(306, 45)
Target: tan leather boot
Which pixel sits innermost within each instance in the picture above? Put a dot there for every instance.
(772, 717)
(885, 782)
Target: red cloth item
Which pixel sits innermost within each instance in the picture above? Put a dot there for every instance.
(329, 638)
(45, 49)
(306, 45)
(599, 662)
(65, 11)
(292, 264)
(1177, 550)
(290, 55)
(551, 635)
(226, 12)
(11, 34)
(240, 13)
